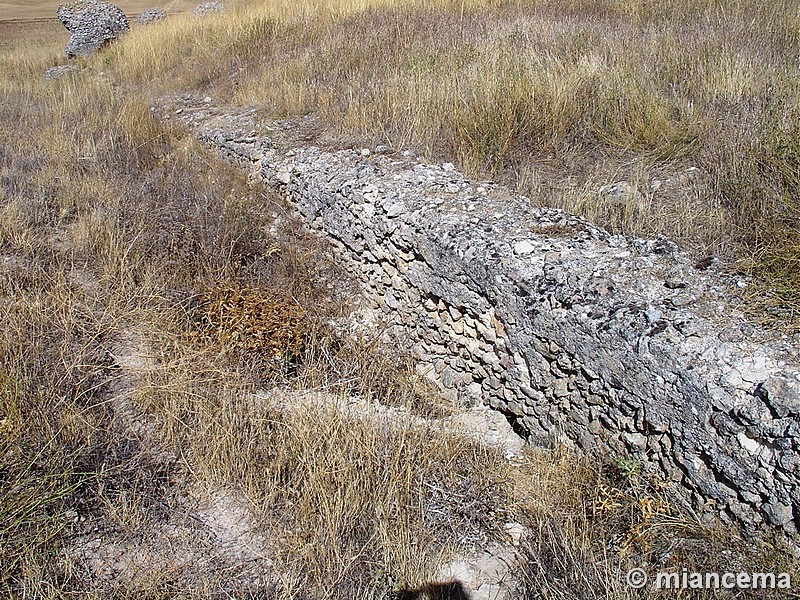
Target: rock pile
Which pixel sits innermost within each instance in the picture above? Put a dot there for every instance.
(612, 345)
(60, 71)
(92, 25)
(151, 15)
(208, 8)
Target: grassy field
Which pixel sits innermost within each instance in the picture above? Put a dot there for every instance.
(555, 99)
(131, 260)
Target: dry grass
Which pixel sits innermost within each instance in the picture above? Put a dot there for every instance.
(114, 226)
(556, 100)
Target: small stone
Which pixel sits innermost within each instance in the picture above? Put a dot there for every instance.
(652, 314)
(524, 248)
(596, 427)
(560, 388)
(381, 149)
(151, 15)
(365, 152)
(490, 358)
(60, 71)
(448, 377)
(394, 209)
(620, 193)
(531, 393)
(783, 394)
(748, 443)
(635, 440)
(474, 391)
(496, 402)
(674, 284)
(474, 346)
(390, 300)
(367, 211)
(493, 383)
(448, 167)
(778, 513)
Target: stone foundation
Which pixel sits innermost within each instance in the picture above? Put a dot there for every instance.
(617, 346)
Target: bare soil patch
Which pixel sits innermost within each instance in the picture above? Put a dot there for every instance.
(30, 32)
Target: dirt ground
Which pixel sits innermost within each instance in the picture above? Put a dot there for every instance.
(34, 31)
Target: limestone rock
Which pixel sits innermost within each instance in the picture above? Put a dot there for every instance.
(620, 194)
(92, 25)
(151, 15)
(782, 394)
(60, 71)
(208, 8)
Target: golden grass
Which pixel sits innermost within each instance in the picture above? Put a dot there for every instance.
(111, 223)
(556, 100)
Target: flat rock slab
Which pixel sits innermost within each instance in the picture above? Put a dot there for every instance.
(60, 71)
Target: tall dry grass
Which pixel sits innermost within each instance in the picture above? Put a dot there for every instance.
(113, 225)
(556, 99)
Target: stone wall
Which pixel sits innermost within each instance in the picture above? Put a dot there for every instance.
(613, 345)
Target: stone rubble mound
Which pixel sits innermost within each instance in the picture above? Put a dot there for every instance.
(92, 25)
(60, 71)
(612, 345)
(208, 8)
(151, 15)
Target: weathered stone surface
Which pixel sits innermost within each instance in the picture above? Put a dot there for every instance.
(92, 25)
(60, 71)
(578, 336)
(208, 8)
(151, 15)
(620, 194)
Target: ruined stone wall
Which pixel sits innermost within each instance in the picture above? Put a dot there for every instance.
(614, 345)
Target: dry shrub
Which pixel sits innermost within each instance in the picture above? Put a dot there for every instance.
(591, 523)
(249, 321)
